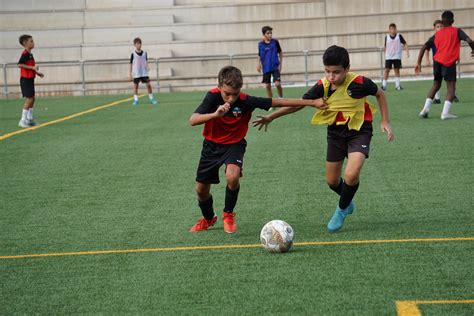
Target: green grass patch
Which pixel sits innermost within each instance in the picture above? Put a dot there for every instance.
(123, 178)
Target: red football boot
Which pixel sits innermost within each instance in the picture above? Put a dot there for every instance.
(203, 224)
(229, 223)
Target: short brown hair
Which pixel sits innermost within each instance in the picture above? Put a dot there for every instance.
(437, 22)
(266, 28)
(24, 38)
(137, 40)
(230, 76)
(392, 25)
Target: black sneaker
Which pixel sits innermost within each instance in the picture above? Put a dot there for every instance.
(423, 115)
(456, 99)
(436, 101)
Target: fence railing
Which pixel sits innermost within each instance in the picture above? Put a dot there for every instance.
(85, 82)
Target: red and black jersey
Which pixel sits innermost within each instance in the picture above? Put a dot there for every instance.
(447, 44)
(233, 126)
(359, 88)
(27, 58)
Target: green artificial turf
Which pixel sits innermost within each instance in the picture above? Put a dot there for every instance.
(123, 178)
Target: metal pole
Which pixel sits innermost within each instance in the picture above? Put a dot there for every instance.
(231, 59)
(381, 65)
(83, 76)
(5, 82)
(157, 75)
(306, 74)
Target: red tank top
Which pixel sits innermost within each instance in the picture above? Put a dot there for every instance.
(447, 45)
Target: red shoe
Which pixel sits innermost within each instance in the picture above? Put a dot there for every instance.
(229, 223)
(203, 224)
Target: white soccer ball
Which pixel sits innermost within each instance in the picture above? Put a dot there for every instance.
(277, 236)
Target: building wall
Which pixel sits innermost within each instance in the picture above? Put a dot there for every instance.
(172, 31)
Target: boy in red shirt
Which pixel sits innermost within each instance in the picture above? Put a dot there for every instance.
(447, 43)
(226, 113)
(28, 72)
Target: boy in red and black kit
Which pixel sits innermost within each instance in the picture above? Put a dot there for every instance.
(226, 113)
(29, 70)
(447, 43)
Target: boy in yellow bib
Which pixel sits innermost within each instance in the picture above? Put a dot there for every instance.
(349, 118)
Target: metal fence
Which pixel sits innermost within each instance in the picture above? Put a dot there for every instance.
(86, 83)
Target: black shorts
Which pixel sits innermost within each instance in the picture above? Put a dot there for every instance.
(27, 87)
(396, 63)
(214, 155)
(141, 79)
(267, 76)
(342, 141)
(441, 72)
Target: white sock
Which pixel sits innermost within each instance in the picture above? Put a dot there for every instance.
(150, 96)
(397, 82)
(437, 95)
(24, 115)
(427, 106)
(135, 97)
(446, 108)
(384, 83)
(29, 116)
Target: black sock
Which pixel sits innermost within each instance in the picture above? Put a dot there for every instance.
(338, 188)
(347, 195)
(207, 209)
(230, 199)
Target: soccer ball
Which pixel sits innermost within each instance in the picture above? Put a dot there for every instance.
(277, 236)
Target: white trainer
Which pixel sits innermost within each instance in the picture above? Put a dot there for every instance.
(448, 116)
(23, 124)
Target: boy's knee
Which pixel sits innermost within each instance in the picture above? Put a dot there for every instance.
(277, 84)
(233, 179)
(351, 178)
(333, 182)
(202, 191)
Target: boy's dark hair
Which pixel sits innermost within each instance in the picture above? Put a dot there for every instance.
(336, 56)
(437, 22)
(447, 17)
(266, 28)
(24, 38)
(392, 25)
(230, 76)
(137, 40)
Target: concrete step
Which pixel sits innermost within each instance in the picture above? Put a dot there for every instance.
(126, 18)
(35, 5)
(126, 34)
(122, 4)
(49, 38)
(211, 48)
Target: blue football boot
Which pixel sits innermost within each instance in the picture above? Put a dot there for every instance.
(337, 219)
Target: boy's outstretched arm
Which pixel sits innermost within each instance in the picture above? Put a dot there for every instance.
(289, 106)
(420, 58)
(427, 57)
(471, 43)
(318, 103)
(382, 101)
(264, 120)
(197, 118)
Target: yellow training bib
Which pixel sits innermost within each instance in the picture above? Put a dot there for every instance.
(352, 109)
